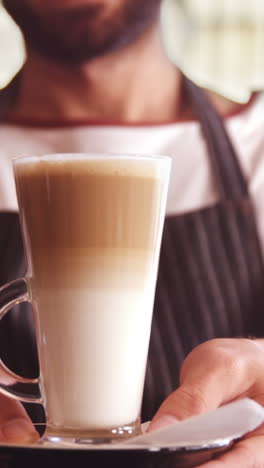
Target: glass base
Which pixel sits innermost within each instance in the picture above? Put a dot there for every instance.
(103, 436)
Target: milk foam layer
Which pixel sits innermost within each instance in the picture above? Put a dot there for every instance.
(139, 166)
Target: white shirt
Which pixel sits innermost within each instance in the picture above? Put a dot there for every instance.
(192, 185)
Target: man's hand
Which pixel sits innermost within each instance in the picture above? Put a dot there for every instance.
(215, 373)
(15, 424)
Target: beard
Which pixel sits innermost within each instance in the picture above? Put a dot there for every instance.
(78, 35)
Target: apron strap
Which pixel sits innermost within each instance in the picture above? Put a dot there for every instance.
(229, 177)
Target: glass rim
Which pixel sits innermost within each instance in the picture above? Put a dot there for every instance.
(93, 156)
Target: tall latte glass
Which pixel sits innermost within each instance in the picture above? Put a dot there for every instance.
(92, 227)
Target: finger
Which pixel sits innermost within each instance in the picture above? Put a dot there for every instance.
(187, 401)
(15, 424)
(215, 373)
(248, 453)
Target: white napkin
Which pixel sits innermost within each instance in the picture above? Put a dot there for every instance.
(229, 422)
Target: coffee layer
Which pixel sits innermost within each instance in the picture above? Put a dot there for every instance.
(75, 206)
(100, 268)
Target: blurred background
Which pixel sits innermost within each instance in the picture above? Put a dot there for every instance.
(217, 43)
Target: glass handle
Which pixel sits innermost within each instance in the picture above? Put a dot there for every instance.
(12, 294)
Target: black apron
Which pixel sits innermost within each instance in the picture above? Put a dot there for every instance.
(210, 275)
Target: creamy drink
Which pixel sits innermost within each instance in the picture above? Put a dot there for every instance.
(92, 229)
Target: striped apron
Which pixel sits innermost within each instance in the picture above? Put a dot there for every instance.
(210, 282)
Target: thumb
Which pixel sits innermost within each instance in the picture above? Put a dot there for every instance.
(15, 424)
(187, 401)
(213, 374)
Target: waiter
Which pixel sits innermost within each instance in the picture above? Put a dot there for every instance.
(97, 79)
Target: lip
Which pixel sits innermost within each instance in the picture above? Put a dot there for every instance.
(56, 4)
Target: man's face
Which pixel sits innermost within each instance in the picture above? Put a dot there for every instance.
(76, 31)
